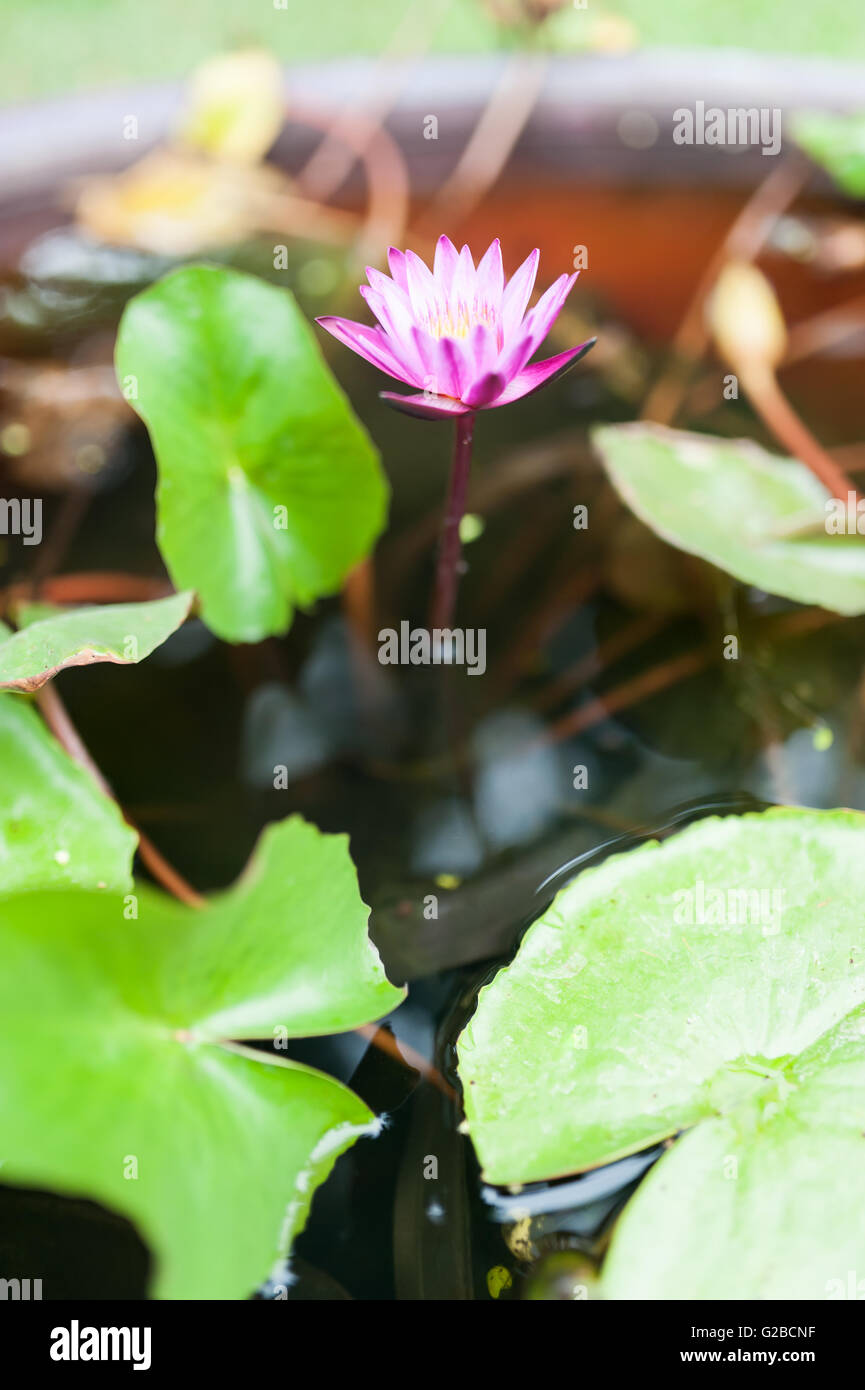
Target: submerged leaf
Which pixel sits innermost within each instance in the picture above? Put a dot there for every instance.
(759, 517)
(117, 1084)
(122, 633)
(715, 984)
(269, 489)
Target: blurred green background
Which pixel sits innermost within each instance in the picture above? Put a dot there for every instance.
(52, 46)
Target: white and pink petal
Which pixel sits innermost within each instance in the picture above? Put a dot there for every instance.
(491, 277)
(396, 265)
(445, 264)
(369, 343)
(425, 406)
(423, 292)
(454, 369)
(517, 293)
(532, 378)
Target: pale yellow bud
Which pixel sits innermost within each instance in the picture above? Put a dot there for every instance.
(745, 318)
(235, 107)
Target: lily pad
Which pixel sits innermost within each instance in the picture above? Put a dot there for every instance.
(713, 984)
(270, 491)
(120, 1079)
(835, 142)
(759, 517)
(122, 633)
(768, 1188)
(57, 829)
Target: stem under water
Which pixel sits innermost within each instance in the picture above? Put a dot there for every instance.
(450, 548)
(776, 411)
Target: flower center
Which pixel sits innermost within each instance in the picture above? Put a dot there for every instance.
(456, 320)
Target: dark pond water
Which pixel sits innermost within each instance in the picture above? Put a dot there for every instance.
(448, 785)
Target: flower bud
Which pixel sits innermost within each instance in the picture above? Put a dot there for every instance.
(235, 107)
(745, 318)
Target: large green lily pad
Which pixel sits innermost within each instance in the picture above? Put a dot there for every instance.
(118, 1077)
(269, 488)
(759, 517)
(712, 984)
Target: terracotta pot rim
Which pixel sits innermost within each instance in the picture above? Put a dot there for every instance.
(576, 125)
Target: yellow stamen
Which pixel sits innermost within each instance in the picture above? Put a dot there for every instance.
(458, 320)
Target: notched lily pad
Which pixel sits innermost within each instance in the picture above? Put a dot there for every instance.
(759, 1201)
(713, 984)
(122, 633)
(759, 517)
(121, 1079)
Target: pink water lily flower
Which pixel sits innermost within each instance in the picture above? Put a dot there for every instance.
(458, 333)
